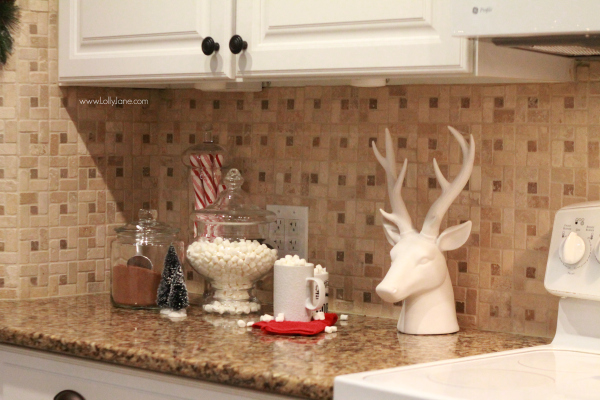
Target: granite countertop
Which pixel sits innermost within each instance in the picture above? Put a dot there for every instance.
(213, 348)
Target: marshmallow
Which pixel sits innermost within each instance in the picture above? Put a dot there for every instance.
(178, 314)
(241, 323)
(333, 329)
(231, 264)
(250, 323)
(319, 316)
(266, 318)
(280, 317)
(343, 317)
(328, 329)
(292, 261)
(320, 270)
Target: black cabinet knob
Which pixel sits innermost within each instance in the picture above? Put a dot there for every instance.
(209, 46)
(237, 44)
(68, 395)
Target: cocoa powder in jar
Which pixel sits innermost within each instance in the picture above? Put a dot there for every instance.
(134, 286)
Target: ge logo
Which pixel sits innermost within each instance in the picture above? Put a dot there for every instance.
(475, 10)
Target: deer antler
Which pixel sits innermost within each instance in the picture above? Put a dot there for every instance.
(433, 220)
(398, 222)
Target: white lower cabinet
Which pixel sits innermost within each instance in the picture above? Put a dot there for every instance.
(35, 375)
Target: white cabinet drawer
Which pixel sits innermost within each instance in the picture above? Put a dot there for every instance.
(33, 375)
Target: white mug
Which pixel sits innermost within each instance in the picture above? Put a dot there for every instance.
(317, 291)
(292, 292)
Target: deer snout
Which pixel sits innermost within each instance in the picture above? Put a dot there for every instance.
(387, 293)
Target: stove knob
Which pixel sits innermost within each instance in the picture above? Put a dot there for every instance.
(572, 249)
(597, 252)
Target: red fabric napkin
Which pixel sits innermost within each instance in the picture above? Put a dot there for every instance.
(297, 328)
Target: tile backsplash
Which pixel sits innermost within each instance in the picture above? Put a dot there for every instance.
(70, 172)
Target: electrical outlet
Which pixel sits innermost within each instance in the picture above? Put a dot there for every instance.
(291, 227)
(277, 243)
(278, 228)
(292, 245)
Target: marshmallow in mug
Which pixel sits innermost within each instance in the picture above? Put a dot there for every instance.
(292, 261)
(320, 270)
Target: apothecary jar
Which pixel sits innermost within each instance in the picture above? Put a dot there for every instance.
(229, 249)
(137, 260)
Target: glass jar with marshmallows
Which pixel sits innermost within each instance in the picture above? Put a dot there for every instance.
(229, 251)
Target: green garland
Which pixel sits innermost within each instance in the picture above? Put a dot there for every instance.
(9, 21)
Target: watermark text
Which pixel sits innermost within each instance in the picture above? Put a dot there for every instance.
(113, 101)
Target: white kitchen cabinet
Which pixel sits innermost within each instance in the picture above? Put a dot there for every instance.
(406, 41)
(337, 38)
(154, 43)
(150, 41)
(35, 375)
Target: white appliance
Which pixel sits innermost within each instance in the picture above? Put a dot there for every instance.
(560, 27)
(568, 368)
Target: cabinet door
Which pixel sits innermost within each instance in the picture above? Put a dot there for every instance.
(342, 38)
(143, 40)
(33, 375)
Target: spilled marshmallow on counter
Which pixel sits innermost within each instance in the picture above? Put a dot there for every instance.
(232, 308)
(266, 318)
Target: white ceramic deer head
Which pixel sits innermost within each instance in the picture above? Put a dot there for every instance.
(419, 274)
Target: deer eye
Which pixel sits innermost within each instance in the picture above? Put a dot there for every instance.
(424, 260)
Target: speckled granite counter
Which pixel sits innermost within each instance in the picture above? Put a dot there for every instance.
(213, 348)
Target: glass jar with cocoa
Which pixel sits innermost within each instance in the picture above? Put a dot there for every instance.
(137, 260)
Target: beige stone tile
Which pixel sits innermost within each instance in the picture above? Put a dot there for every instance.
(517, 145)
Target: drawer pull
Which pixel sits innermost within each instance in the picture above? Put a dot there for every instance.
(68, 395)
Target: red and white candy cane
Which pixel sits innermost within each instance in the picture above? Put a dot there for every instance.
(206, 176)
(217, 165)
(199, 193)
(210, 187)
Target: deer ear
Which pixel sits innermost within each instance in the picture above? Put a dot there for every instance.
(392, 232)
(454, 237)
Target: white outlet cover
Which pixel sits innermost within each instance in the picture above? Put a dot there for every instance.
(295, 241)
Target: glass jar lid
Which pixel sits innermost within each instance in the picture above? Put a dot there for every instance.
(208, 147)
(232, 206)
(147, 228)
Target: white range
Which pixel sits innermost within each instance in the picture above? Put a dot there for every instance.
(568, 368)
